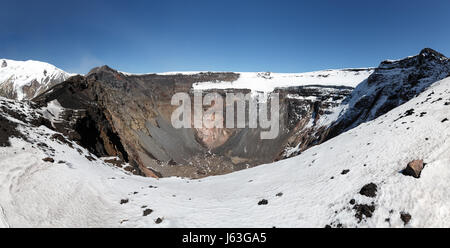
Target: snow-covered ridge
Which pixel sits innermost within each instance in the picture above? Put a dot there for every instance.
(268, 82)
(393, 83)
(25, 79)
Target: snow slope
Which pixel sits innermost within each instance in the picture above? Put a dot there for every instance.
(267, 81)
(393, 83)
(315, 192)
(15, 75)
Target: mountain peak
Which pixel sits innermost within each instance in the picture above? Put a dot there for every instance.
(425, 56)
(428, 52)
(26, 79)
(103, 68)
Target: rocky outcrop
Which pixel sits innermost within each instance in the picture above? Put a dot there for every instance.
(115, 114)
(310, 110)
(392, 84)
(112, 114)
(414, 168)
(129, 116)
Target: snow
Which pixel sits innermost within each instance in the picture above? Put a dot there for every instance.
(83, 193)
(164, 73)
(52, 111)
(23, 73)
(267, 82)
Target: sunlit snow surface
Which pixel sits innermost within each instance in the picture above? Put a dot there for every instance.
(267, 82)
(83, 193)
(22, 73)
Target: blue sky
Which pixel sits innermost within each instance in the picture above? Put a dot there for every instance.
(167, 35)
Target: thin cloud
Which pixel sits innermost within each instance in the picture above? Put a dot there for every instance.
(86, 63)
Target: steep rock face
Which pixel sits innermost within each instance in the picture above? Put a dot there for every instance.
(115, 114)
(27, 79)
(118, 114)
(392, 84)
(310, 103)
(129, 116)
(311, 110)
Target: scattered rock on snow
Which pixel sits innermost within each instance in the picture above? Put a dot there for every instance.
(345, 172)
(405, 217)
(363, 210)
(48, 159)
(147, 212)
(90, 158)
(117, 162)
(414, 168)
(124, 201)
(279, 194)
(159, 220)
(60, 138)
(369, 190)
(263, 202)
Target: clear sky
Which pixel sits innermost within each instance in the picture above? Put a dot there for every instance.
(225, 35)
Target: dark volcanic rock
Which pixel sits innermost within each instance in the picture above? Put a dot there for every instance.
(369, 190)
(158, 220)
(405, 217)
(363, 210)
(7, 130)
(392, 84)
(147, 212)
(263, 202)
(48, 159)
(113, 114)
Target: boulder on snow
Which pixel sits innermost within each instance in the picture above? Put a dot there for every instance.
(147, 212)
(405, 217)
(263, 202)
(48, 159)
(363, 211)
(159, 220)
(414, 168)
(4, 64)
(369, 190)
